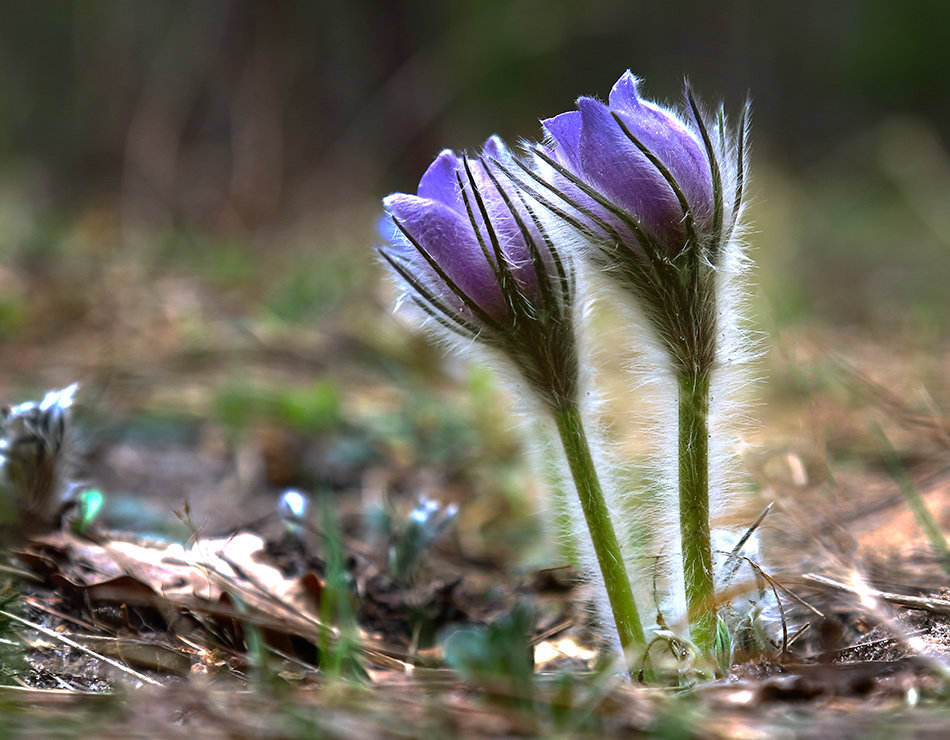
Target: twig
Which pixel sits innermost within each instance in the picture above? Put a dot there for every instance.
(797, 633)
(930, 604)
(552, 631)
(880, 642)
(73, 644)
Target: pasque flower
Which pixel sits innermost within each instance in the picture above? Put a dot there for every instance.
(657, 197)
(473, 237)
(471, 253)
(641, 158)
(653, 198)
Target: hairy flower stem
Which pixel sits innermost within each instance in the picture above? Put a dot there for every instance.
(694, 507)
(602, 534)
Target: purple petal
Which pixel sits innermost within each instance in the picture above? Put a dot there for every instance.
(439, 182)
(504, 225)
(625, 94)
(448, 238)
(680, 152)
(670, 140)
(565, 129)
(495, 149)
(615, 166)
(514, 239)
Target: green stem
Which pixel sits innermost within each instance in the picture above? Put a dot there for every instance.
(601, 528)
(694, 507)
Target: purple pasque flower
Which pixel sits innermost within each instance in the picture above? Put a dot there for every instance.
(469, 251)
(465, 239)
(655, 197)
(634, 172)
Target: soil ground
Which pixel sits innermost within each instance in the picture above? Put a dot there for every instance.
(193, 420)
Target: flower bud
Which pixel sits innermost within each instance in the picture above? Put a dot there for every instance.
(467, 240)
(634, 172)
(470, 252)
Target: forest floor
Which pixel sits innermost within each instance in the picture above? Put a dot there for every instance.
(190, 608)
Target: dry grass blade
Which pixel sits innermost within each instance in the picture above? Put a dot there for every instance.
(731, 569)
(881, 642)
(913, 498)
(872, 599)
(775, 586)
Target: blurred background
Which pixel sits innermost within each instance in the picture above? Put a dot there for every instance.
(189, 194)
(256, 124)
